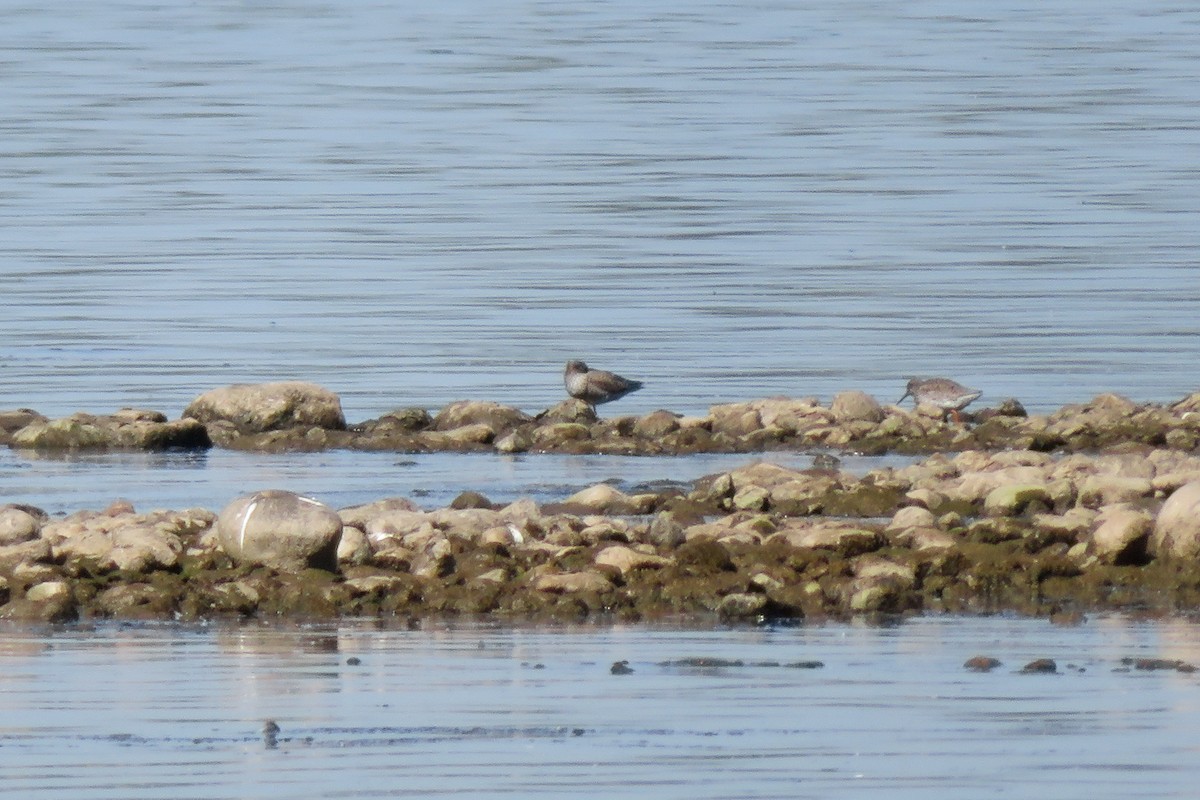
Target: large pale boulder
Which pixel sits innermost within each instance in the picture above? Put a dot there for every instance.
(19, 524)
(1121, 535)
(281, 530)
(255, 408)
(856, 407)
(1177, 527)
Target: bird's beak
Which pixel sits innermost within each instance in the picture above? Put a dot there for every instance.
(901, 400)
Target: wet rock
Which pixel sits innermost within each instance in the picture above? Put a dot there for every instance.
(573, 582)
(135, 600)
(620, 668)
(280, 530)
(1177, 527)
(13, 421)
(48, 601)
(125, 430)
(740, 605)
(404, 420)
(470, 499)
(558, 435)
(981, 664)
(517, 441)
(1122, 535)
(19, 524)
(1040, 666)
(856, 407)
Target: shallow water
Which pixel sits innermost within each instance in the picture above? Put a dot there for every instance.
(59, 484)
(132, 711)
(412, 205)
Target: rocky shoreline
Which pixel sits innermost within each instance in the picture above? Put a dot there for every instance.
(283, 417)
(976, 531)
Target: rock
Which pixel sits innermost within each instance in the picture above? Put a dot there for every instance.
(605, 499)
(856, 407)
(845, 540)
(656, 425)
(911, 517)
(353, 547)
(1013, 499)
(1040, 666)
(981, 664)
(32, 551)
(751, 498)
(257, 408)
(496, 417)
(626, 559)
(470, 499)
(464, 435)
(19, 524)
(360, 516)
(1177, 527)
(132, 548)
(739, 605)
(49, 601)
(553, 437)
(569, 410)
(573, 582)
(665, 531)
(280, 530)
(514, 442)
(1122, 535)
(125, 430)
(1104, 490)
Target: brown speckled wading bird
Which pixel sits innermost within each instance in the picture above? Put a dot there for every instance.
(595, 386)
(950, 396)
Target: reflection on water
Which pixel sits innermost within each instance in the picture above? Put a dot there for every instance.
(368, 710)
(413, 205)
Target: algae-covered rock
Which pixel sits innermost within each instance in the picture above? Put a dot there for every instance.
(1013, 499)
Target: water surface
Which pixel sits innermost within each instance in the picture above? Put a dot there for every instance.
(120, 711)
(413, 205)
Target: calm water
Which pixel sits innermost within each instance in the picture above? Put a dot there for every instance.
(340, 478)
(154, 712)
(413, 205)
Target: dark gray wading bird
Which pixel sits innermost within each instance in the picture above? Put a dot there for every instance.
(595, 386)
(950, 396)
